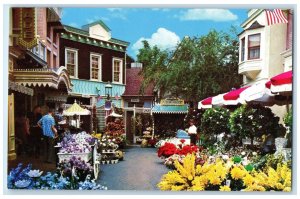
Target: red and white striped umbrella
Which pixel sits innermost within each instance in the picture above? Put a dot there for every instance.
(258, 92)
(233, 97)
(281, 83)
(206, 103)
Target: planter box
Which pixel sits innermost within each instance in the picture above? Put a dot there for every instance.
(67, 156)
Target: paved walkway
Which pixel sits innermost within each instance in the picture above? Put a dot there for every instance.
(141, 169)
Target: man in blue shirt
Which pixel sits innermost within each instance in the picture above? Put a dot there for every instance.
(47, 124)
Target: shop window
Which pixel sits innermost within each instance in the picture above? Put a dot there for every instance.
(254, 46)
(71, 62)
(243, 49)
(117, 70)
(95, 66)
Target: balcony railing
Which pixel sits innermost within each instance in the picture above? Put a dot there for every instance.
(250, 68)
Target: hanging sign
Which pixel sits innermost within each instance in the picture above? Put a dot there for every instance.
(27, 38)
(172, 101)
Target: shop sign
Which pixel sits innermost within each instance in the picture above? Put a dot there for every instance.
(172, 101)
(27, 38)
(135, 100)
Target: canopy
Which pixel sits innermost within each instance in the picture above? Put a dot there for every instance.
(75, 109)
(281, 82)
(218, 100)
(258, 92)
(170, 109)
(206, 103)
(233, 97)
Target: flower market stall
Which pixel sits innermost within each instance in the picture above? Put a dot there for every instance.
(168, 117)
(80, 148)
(74, 111)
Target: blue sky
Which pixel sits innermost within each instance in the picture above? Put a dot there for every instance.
(163, 27)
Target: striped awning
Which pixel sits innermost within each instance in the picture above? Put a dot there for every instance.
(170, 109)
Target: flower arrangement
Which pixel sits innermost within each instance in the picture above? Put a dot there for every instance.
(224, 176)
(25, 178)
(76, 143)
(167, 150)
(75, 164)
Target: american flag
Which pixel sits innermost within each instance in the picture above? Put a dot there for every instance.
(276, 16)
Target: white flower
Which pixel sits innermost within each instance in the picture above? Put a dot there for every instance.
(250, 117)
(243, 153)
(225, 157)
(22, 183)
(254, 153)
(221, 117)
(34, 173)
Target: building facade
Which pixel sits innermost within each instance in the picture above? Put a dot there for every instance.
(137, 103)
(35, 76)
(94, 59)
(265, 50)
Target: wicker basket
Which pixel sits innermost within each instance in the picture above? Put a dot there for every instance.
(67, 156)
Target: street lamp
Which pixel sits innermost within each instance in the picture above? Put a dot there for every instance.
(108, 90)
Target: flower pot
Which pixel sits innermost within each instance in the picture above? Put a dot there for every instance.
(103, 162)
(107, 161)
(280, 143)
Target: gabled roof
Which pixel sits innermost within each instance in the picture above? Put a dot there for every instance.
(133, 83)
(100, 22)
(76, 30)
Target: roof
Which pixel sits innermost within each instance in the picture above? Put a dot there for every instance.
(85, 32)
(76, 30)
(118, 41)
(170, 109)
(133, 83)
(100, 22)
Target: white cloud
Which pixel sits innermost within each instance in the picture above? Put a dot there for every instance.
(218, 15)
(119, 13)
(162, 38)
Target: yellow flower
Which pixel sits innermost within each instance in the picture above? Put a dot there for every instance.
(224, 188)
(248, 180)
(287, 189)
(255, 187)
(237, 173)
(215, 181)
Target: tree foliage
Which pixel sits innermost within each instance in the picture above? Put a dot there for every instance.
(198, 67)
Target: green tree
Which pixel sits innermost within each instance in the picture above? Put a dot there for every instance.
(198, 67)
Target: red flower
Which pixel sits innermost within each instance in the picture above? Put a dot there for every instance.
(182, 141)
(167, 150)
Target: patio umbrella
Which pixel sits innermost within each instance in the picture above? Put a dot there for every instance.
(258, 92)
(281, 83)
(75, 109)
(218, 100)
(233, 97)
(206, 103)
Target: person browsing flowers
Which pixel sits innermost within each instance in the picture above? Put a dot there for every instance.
(47, 123)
